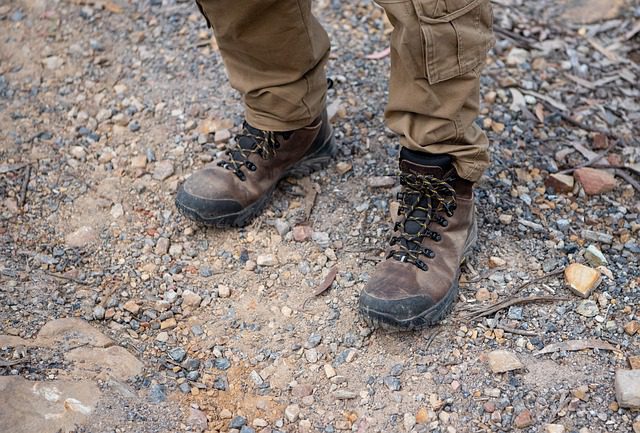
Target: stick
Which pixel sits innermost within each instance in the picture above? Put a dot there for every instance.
(535, 280)
(628, 178)
(517, 331)
(64, 277)
(492, 309)
(575, 122)
(25, 184)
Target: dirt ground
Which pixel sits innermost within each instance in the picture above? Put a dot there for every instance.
(106, 106)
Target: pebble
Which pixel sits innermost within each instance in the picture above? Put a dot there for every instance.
(191, 299)
(523, 419)
(627, 386)
(587, 308)
(594, 236)
(496, 262)
(163, 169)
(157, 393)
(178, 354)
(238, 422)
(225, 414)
(582, 280)
(329, 371)
(343, 167)
(594, 256)
(409, 421)
(560, 183)
(483, 294)
(563, 225)
(554, 428)
(343, 394)
(224, 291)
(381, 181)
(302, 233)
(292, 412)
(266, 260)
(98, 312)
(505, 219)
(392, 382)
(81, 237)
(595, 181)
(53, 62)
(162, 246)
(501, 361)
(632, 327)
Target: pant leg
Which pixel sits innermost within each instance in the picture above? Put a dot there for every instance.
(438, 48)
(274, 52)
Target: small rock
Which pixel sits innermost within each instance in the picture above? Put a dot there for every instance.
(302, 233)
(163, 169)
(178, 354)
(98, 312)
(632, 327)
(224, 291)
(321, 238)
(563, 225)
(266, 260)
(483, 294)
(282, 227)
(628, 388)
(634, 362)
(343, 394)
(221, 136)
(131, 306)
(561, 183)
(343, 167)
(292, 412)
(162, 246)
(197, 420)
(329, 371)
(505, 219)
(554, 428)
(175, 250)
(523, 419)
(594, 256)
(259, 422)
(78, 152)
(170, 323)
(496, 262)
(222, 363)
(595, 181)
(53, 62)
(225, 414)
(422, 416)
(381, 181)
(117, 211)
(191, 299)
(587, 308)
(409, 421)
(238, 422)
(591, 235)
(501, 361)
(517, 56)
(393, 383)
(581, 279)
(157, 393)
(139, 161)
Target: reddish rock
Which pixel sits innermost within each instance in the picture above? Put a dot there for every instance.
(559, 182)
(524, 419)
(302, 233)
(595, 181)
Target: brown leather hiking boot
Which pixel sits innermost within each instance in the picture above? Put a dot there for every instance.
(235, 189)
(418, 282)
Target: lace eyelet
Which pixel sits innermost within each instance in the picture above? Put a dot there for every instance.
(250, 165)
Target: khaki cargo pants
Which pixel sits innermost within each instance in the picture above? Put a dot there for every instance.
(275, 53)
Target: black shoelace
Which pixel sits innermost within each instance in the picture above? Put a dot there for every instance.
(251, 140)
(424, 200)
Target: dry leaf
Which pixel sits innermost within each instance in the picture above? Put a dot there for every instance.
(326, 283)
(540, 112)
(573, 345)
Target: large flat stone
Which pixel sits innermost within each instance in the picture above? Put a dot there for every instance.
(45, 407)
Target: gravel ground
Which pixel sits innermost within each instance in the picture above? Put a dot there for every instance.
(106, 107)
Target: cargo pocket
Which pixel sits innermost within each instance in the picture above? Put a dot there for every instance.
(457, 34)
(203, 14)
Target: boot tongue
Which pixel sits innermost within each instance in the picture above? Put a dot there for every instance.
(422, 164)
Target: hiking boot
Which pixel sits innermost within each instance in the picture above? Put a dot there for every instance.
(417, 283)
(235, 189)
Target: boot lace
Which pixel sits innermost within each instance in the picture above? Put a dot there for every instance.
(424, 200)
(250, 141)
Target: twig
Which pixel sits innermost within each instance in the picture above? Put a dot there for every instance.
(25, 184)
(519, 39)
(563, 400)
(12, 362)
(64, 277)
(575, 122)
(431, 338)
(517, 331)
(592, 161)
(628, 178)
(538, 279)
(494, 308)
(622, 167)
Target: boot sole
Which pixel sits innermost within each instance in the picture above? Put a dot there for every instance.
(316, 161)
(433, 315)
